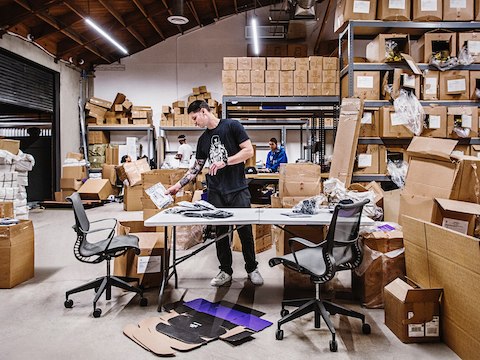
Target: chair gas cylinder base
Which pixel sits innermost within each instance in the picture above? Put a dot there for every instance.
(103, 250)
(340, 251)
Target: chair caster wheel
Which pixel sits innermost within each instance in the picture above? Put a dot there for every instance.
(366, 329)
(68, 303)
(97, 313)
(279, 334)
(143, 302)
(284, 312)
(333, 346)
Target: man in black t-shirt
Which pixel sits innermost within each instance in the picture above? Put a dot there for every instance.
(226, 146)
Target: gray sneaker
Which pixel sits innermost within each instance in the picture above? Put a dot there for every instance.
(221, 279)
(255, 277)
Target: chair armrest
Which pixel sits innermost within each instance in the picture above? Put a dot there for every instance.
(97, 230)
(103, 220)
(302, 241)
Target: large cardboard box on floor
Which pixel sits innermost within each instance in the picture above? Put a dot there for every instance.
(95, 189)
(441, 258)
(413, 314)
(435, 121)
(427, 10)
(354, 10)
(394, 10)
(456, 215)
(16, 253)
(149, 264)
(132, 198)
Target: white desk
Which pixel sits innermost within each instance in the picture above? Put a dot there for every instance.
(241, 217)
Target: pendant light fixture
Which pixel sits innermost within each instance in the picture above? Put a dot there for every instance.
(178, 17)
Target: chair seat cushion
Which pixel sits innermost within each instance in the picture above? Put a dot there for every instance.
(310, 259)
(117, 244)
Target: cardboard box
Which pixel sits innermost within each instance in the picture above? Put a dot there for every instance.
(6, 209)
(454, 85)
(300, 89)
(74, 172)
(391, 126)
(109, 172)
(299, 180)
(12, 146)
(330, 89)
(472, 41)
(100, 102)
(442, 258)
(367, 159)
(111, 155)
(377, 51)
(72, 184)
(132, 198)
(286, 77)
(16, 253)
(272, 76)
(316, 63)
(98, 137)
(370, 124)
(230, 63)
(394, 10)
(366, 85)
(134, 171)
(412, 314)
(229, 89)
(287, 64)
(286, 89)
(354, 10)
(273, 63)
(228, 76)
(259, 63)
(244, 63)
(454, 10)
(427, 10)
(301, 76)
(330, 76)
(438, 41)
(330, 63)
(456, 215)
(465, 117)
(149, 264)
(243, 76)
(314, 89)
(435, 121)
(95, 189)
(257, 89)
(302, 64)
(466, 182)
(261, 236)
(474, 84)
(257, 76)
(243, 89)
(272, 89)
(391, 205)
(431, 85)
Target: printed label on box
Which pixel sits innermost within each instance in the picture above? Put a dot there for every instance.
(365, 82)
(432, 328)
(434, 122)
(361, 7)
(415, 330)
(396, 4)
(456, 85)
(466, 121)
(409, 80)
(428, 5)
(149, 264)
(473, 47)
(364, 160)
(431, 86)
(398, 119)
(456, 225)
(367, 118)
(458, 4)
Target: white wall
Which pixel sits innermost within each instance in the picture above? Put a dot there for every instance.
(69, 89)
(167, 72)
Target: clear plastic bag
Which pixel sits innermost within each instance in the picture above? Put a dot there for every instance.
(397, 170)
(392, 53)
(311, 205)
(461, 131)
(409, 111)
(465, 57)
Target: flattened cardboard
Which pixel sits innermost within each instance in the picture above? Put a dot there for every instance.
(466, 186)
(348, 129)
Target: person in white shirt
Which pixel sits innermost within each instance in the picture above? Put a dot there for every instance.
(184, 152)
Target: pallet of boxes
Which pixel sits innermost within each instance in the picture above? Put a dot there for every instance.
(16, 239)
(280, 76)
(74, 173)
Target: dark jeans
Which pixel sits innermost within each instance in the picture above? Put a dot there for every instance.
(239, 199)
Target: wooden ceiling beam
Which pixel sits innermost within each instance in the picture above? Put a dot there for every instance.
(119, 18)
(216, 10)
(236, 6)
(194, 12)
(140, 7)
(9, 21)
(65, 22)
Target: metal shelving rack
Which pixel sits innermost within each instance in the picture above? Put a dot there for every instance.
(285, 113)
(368, 30)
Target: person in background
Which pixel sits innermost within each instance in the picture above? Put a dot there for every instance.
(226, 146)
(184, 152)
(125, 158)
(276, 156)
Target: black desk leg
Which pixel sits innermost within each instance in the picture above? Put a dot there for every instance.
(166, 268)
(174, 250)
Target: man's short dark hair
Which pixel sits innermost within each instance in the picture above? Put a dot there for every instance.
(197, 105)
(182, 138)
(274, 141)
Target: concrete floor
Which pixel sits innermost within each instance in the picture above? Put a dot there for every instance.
(35, 324)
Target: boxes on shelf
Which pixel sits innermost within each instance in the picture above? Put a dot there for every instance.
(230, 63)
(464, 119)
(454, 10)
(243, 89)
(394, 10)
(472, 41)
(456, 215)
(98, 137)
(74, 172)
(427, 10)
(435, 121)
(244, 63)
(243, 76)
(259, 63)
(257, 89)
(16, 253)
(370, 124)
(413, 314)
(431, 85)
(257, 76)
(454, 85)
(366, 85)
(354, 10)
(286, 89)
(474, 85)
(229, 89)
(272, 76)
(287, 63)
(272, 89)
(100, 102)
(442, 43)
(368, 159)
(391, 126)
(380, 49)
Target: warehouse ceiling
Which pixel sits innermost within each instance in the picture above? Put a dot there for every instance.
(60, 26)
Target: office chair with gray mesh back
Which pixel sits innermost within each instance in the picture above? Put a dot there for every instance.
(340, 251)
(96, 252)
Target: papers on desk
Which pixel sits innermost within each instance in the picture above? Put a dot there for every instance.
(158, 196)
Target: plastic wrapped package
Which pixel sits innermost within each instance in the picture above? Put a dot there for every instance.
(8, 194)
(24, 162)
(6, 157)
(8, 179)
(465, 57)
(311, 205)
(22, 178)
(409, 112)
(392, 51)
(397, 170)
(189, 236)
(461, 131)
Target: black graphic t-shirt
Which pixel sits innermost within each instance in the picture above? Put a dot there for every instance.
(217, 145)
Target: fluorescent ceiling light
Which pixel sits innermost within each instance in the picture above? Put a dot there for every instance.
(106, 36)
(256, 50)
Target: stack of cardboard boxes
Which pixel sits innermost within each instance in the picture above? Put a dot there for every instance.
(280, 76)
(73, 172)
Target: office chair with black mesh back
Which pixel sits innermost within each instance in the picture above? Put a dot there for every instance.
(96, 252)
(340, 251)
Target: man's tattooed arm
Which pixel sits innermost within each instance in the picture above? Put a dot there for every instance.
(192, 172)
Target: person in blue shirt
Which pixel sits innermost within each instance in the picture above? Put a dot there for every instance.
(276, 156)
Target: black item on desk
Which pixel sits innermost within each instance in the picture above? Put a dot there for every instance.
(340, 251)
(218, 214)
